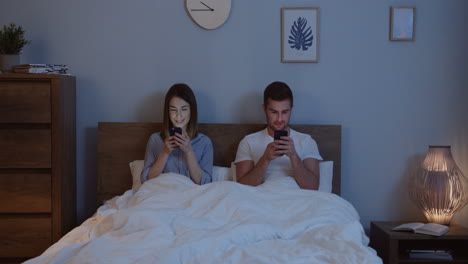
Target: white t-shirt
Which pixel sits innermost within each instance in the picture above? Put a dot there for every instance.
(253, 146)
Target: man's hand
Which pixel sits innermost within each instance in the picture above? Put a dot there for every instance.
(272, 152)
(285, 146)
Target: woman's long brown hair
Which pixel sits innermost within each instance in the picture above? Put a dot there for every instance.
(184, 92)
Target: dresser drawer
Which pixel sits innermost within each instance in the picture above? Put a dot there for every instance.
(25, 102)
(25, 148)
(25, 192)
(24, 235)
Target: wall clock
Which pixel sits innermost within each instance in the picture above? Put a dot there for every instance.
(208, 14)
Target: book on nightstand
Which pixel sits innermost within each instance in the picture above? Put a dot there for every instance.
(430, 254)
(432, 229)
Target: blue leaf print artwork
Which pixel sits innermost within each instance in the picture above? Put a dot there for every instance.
(300, 37)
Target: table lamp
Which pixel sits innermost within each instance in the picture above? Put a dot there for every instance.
(439, 187)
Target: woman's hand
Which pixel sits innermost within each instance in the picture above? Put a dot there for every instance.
(169, 144)
(183, 142)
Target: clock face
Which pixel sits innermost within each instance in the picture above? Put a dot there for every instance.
(208, 14)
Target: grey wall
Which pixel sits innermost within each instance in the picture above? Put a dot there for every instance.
(393, 99)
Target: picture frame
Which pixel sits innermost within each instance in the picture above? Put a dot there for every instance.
(402, 23)
(300, 34)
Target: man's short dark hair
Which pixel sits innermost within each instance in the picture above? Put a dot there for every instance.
(277, 91)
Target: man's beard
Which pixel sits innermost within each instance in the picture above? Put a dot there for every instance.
(273, 128)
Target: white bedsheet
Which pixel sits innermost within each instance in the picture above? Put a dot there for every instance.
(172, 220)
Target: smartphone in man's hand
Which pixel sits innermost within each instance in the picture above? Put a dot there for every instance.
(280, 133)
(174, 130)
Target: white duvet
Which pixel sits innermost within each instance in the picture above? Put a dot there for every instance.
(172, 220)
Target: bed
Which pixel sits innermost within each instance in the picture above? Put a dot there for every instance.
(171, 220)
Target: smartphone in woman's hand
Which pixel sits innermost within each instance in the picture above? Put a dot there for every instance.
(174, 130)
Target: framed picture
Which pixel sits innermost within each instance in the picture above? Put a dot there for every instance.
(402, 21)
(299, 34)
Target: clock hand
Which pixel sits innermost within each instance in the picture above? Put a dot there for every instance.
(201, 10)
(211, 9)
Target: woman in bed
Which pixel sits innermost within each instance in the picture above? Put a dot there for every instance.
(187, 152)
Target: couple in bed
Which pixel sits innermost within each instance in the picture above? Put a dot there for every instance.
(259, 156)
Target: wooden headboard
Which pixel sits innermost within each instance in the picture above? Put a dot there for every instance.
(121, 143)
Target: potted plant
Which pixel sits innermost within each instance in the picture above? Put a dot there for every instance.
(12, 42)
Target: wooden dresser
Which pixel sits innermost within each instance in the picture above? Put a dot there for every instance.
(37, 163)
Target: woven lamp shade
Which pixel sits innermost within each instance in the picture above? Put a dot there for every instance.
(439, 187)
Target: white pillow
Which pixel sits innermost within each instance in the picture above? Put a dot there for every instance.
(229, 174)
(224, 173)
(233, 175)
(326, 176)
(136, 167)
(220, 173)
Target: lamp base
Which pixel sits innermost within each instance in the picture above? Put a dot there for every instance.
(438, 218)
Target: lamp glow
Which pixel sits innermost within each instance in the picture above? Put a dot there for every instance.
(439, 187)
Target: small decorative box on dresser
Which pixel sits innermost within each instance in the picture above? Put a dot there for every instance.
(407, 247)
(37, 163)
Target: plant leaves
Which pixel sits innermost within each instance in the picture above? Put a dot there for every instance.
(12, 39)
(300, 37)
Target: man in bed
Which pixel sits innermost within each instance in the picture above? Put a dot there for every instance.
(260, 158)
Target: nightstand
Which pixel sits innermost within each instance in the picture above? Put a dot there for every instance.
(393, 246)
